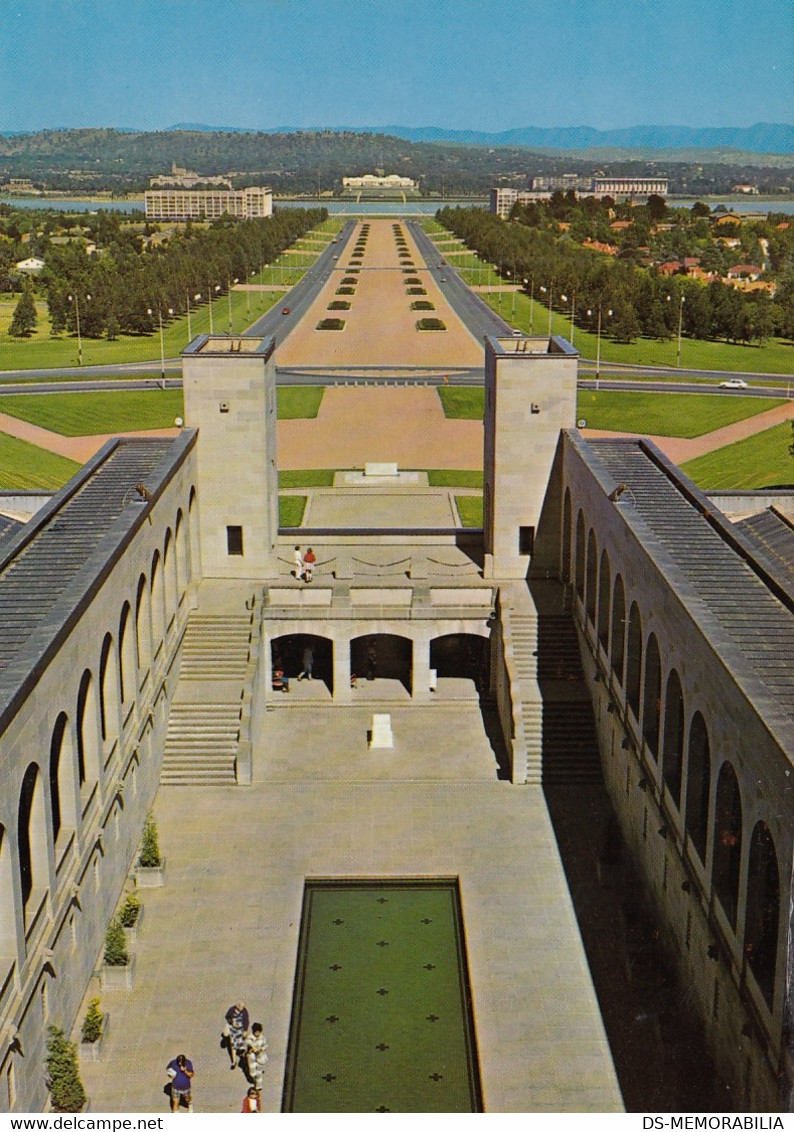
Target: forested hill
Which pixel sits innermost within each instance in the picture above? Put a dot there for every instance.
(305, 162)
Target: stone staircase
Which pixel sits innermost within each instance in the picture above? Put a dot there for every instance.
(570, 745)
(524, 638)
(204, 730)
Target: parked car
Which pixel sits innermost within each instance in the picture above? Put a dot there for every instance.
(733, 383)
(285, 310)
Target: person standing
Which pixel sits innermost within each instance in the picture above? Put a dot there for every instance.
(180, 1070)
(297, 560)
(236, 1032)
(309, 561)
(257, 1056)
(308, 664)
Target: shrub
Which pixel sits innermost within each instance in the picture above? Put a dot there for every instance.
(63, 1076)
(422, 305)
(338, 305)
(116, 954)
(92, 1023)
(331, 324)
(412, 280)
(416, 291)
(150, 857)
(349, 279)
(430, 324)
(130, 910)
(345, 290)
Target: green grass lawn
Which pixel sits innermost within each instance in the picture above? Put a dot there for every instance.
(380, 1018)
(88, 414)
(306, 477)
(445, 477)
(24, 467)
(295, 402)
(470, 509)
(666, 414)
(757, 461)
(290, 510)
(657, 414)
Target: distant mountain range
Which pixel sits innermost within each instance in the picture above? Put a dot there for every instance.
(763, 137)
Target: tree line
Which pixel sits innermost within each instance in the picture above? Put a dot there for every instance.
(634, 301)
(128, 288)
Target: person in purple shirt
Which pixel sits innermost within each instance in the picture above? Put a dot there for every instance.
(180, 1070)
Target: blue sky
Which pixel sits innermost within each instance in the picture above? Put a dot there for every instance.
(480, 64)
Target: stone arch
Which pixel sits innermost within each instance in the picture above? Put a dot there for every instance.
(87, 721)
(652, 696)
(591, 580)
(193, 557)
(127, 655)
(580, 555)
(763, 910)
(287, 653)
(618, 630)
(698, 784)
(109, 692)
(567, 520)
(143, 629)
(634, 660)
(727, 842)
(181, 554)
(463, 656)
(170, 585)
(157, 599)
(63, 794)
(31, 836)
(382, 656)
(8, 943)
(604, 590)
(673, 738)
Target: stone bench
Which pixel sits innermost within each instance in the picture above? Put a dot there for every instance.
(381, 737)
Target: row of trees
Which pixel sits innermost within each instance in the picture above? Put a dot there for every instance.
(127, 289)
(640, 301)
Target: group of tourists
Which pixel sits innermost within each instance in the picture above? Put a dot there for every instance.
(281, 679)
(247, 1048)
(304, 564)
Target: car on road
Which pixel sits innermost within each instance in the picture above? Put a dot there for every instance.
(442, 279)
(285, 310)
(733, 383)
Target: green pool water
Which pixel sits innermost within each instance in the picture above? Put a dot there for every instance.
(381, 1016)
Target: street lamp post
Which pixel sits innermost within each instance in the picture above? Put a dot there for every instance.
(73, 298)
(598, 342)
(573, 312)
(189, 328)
(680, 324)
(211, 292)
(236, 281)
(162, 342)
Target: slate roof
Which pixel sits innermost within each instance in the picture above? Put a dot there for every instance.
(773, 537)
(50, 566)
(718, 561)
(8, 526)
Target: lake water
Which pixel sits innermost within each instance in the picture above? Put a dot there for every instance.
(377, 207)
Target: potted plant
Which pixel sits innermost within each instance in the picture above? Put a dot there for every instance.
(150, 870)
(94, 1031)
(63, 1075)
(118, 967)
(131, 915)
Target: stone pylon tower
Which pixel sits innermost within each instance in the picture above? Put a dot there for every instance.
(530, 394)
(230, 397)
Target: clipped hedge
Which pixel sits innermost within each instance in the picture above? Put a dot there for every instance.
(338, 305)
(331, 324)
(430, 324)
(422, 305)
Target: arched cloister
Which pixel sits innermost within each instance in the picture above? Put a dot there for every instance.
(591, 581)
(87, 731)
(652, 696)
(463, 656)
(63, 790)
(170, 587)
(288, 653)
(763, 910)
(618, 630)
(31, 836)
(727, 842)
(181, 555)
(382, 656)
(698, 784)
(127, 660)
(673, 739)
(634, 660)
(193, 556)
(157, 598)
(604, 590)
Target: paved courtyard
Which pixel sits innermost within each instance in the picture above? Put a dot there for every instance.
(323, 805)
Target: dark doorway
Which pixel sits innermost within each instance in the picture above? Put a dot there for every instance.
(462, 655)
(382, 656)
